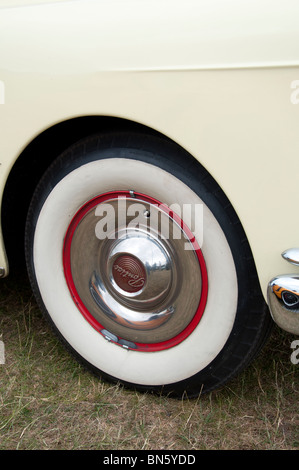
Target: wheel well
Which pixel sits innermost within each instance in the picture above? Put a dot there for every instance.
(32, 163)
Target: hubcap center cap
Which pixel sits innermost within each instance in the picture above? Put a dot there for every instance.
(129, 273)
(139, 269)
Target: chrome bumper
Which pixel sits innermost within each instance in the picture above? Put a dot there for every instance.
(283, 296)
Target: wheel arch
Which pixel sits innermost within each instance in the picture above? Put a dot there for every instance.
(37, 156)
(33, 161)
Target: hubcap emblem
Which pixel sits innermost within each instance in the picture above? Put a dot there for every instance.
(129, 273)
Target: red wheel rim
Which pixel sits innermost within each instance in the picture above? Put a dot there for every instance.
(139, 346)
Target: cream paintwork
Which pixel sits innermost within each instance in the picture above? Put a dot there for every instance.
(213, 76)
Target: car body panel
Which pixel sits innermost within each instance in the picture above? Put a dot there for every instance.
(218, 78)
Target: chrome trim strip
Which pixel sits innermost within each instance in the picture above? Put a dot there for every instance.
(292, 256)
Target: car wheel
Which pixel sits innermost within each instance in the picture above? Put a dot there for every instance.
(141, 265)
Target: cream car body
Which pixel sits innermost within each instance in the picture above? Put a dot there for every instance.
(219, 78)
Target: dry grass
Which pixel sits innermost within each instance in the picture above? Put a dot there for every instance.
(48, 401)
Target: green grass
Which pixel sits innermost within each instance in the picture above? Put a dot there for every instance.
(48, 401)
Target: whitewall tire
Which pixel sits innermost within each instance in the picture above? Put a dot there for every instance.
(173, 313)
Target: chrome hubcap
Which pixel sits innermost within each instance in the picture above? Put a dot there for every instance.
(139, 266)
(141, 289)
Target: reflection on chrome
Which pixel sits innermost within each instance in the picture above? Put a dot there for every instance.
(123, 315)
(286, 288)
(283, 301)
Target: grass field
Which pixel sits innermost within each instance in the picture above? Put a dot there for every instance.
(49, 402)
